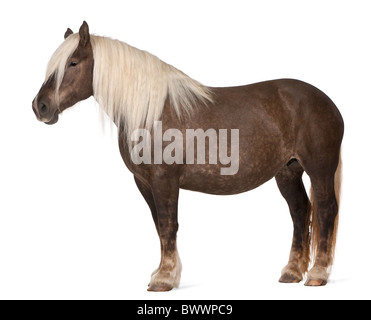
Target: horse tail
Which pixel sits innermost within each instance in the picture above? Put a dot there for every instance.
(314, 226)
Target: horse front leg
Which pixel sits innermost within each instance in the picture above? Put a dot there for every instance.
(146, 192)
(165, 194)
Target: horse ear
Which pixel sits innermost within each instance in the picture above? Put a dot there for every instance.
(84, 34)
(68, 33)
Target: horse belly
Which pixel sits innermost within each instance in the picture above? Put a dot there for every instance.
(207, 178)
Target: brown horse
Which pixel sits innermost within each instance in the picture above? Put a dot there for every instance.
(277, 128)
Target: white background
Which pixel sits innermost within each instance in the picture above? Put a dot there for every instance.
(73, 224)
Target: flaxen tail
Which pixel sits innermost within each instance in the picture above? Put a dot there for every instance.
(314, 227)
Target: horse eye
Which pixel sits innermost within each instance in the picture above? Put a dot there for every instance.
(73, 64)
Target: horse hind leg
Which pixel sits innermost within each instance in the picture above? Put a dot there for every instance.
(290, 184)
(324, 229)
(326, 180)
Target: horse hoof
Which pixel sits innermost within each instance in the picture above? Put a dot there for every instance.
(315, 283)
(288, 278)
(159, 287)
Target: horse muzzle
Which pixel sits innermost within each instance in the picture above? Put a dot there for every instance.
(44, 113)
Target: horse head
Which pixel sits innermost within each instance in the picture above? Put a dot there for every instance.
(69, 77)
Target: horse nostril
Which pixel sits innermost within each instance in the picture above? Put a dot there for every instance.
(43, 108)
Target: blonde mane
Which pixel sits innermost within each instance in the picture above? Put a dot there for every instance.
(131, 85)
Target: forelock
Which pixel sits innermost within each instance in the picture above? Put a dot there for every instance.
(57, 64)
